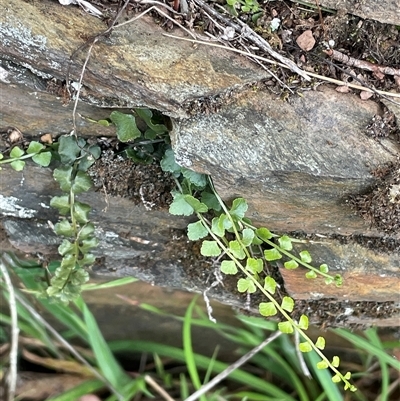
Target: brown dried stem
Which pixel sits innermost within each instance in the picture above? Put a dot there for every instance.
(247, 33)
(378, 70)
(388, 95)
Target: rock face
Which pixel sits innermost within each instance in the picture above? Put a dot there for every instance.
(386, 11)
(135, 66)
(296, 162)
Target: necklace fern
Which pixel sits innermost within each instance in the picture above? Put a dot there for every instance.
(231, 236)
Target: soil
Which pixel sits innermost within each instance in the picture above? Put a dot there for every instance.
(147, 184)
(358, 40)
(381, 206)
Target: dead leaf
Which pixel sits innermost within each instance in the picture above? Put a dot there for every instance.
(380, 75)
(343, 89)
(4, 349)
(15, 135)
(57, 364)
(365, 95)
(40, 386)
(84, 4)
(306, 41)
(89, 397)
(47, 138)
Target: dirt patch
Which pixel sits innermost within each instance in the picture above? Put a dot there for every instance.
(381, 206)
(147, 184)
(5, 245)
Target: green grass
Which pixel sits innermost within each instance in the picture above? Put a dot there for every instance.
(274, 373)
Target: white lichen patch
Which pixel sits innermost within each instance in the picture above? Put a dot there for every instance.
(394, 193)
(36, 72)
(23, 36)
(111, 234)
(348, 311)
(3, 75)
(9, 207)
(317, 295)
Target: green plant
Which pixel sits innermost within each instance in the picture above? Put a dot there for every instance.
(230, 235)
(234, 238)
(279, 358)
(246, 6)
(101, 369)
(144, 133)
(36, 151)
(79, 238)
(64, 280)
(376, 360)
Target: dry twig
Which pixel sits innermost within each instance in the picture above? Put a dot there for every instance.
(310, 74)
(13, 356)
(151, 382)
(243, 29)
(78, 91)
(224, 374)
(379, 70)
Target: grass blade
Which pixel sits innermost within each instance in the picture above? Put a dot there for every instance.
(273, 362)
(106, 361)
(68, 317)
(371, 349)
(109, 284)
(183, 386)
(188, 349)
(210, 367)
(202, 362)
(135, 387)
(30, 326)
(372, 335)
(75, 393)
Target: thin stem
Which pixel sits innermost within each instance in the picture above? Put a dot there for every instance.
(224, 374)
(12, 375)
(387, 95)
(298, 260)
(221, 202)
(272, 299)
(13, 159)
(67, 345)
(291, 256)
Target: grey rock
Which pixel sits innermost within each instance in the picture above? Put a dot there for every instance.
(385, 11)
(136, 65)
(296, 162)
